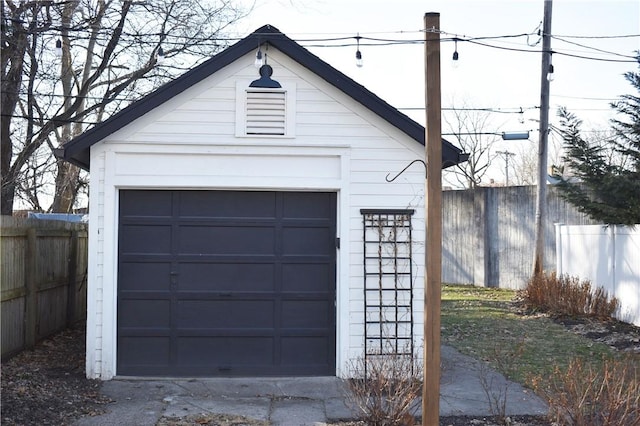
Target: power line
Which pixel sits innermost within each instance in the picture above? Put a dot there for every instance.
(592, 48)
(554, 52)
(500, 110)
(67, 121)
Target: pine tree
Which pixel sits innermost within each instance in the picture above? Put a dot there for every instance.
(608, 174)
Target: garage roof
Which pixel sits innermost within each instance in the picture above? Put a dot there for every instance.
(77, 151)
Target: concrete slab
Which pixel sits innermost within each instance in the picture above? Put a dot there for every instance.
(301, 400)
(303, 412)
(255, 408)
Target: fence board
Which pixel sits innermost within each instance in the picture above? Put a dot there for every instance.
(12, 326)
(43, 279)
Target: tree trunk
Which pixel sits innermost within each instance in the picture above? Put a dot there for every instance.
(14, 46)
(66, 188)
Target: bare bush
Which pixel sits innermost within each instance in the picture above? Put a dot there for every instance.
(565, 295)
(385, 389)
(587, 395)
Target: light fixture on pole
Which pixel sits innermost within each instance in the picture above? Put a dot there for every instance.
(455, 52)
(58, 48)
(359, 62)
(550, 74)
(515, 136)
(258, 62)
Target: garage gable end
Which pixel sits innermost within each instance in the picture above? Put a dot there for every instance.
(77, 151)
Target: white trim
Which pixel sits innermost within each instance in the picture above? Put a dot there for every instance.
(343, 283)
(110, 275)
(113, 184)
(92, 279)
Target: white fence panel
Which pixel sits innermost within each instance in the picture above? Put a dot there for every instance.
(609, 257)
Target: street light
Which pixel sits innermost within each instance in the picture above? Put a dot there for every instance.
(514, 136)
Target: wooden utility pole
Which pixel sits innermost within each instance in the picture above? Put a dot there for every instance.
(433, 223)
(541, 201)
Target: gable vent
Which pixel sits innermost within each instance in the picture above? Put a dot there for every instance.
(266, 112)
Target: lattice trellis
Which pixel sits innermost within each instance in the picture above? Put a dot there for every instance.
(388, 282)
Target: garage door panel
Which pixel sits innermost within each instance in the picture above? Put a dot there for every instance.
(226, 240)
(305, 350)
(145, 313)
(307, 241)
(225, 352)
(308, 205)
(148, 239)
(146, 203)
(305, 313)
(138, 276)
(227, 277)
(229, 314)
(207, 204)
(302, 277)
(148, 351)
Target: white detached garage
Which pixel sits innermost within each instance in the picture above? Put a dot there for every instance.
(242, 224)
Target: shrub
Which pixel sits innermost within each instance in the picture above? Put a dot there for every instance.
(385, 389)
(586, 395)
(565, 295)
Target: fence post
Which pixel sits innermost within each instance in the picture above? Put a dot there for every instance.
(31, 297)
(559, 242)
(72, 271)
(480, 264)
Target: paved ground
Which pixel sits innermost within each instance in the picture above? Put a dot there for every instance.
(297, 401)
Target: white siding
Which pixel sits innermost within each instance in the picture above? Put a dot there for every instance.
(190, 143)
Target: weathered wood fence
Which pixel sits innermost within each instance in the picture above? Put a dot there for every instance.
(488, 234)
(43, 279)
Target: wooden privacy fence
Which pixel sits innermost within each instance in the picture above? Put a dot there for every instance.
(488, 234)
(43, 279)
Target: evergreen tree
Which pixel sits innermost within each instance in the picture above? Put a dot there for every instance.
(607, 187)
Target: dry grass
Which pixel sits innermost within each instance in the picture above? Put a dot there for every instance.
(384, 389)
(585, 395)
(568, 296)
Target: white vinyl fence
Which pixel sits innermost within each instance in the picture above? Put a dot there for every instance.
(609, 256)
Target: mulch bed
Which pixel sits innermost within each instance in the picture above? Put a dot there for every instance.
(47, 385)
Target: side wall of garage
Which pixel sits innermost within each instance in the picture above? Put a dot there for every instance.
(190, 143)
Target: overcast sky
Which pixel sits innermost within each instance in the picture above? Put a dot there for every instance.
(485, 77)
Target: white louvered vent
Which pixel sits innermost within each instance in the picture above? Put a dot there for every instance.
(266, 112)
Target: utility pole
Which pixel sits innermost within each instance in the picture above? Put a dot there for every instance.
(433, 223)
(506, 155)
(541, 202)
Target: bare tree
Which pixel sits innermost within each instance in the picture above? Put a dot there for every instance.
(525, 165)
(470, 127)
(66, 65)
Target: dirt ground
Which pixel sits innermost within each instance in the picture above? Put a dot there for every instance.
(47, 385)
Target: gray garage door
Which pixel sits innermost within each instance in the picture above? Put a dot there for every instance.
(223, 283)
